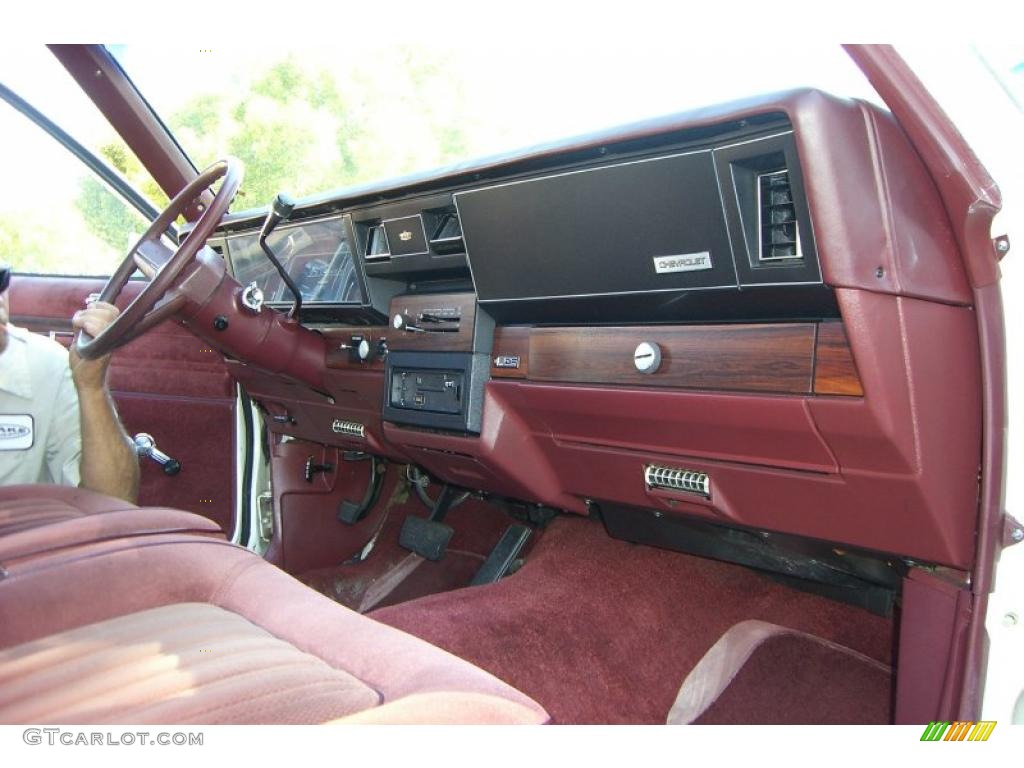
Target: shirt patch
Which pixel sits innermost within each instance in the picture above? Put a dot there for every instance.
(17, 432)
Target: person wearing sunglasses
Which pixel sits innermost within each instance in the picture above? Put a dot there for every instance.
(58, 423)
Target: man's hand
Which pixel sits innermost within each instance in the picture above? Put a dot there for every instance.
(91, 375)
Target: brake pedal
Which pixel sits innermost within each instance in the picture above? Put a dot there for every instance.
(427, 538)
(504, 554)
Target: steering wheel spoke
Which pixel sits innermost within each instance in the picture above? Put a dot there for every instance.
(164, 267)
(169, 303)
(150, 256)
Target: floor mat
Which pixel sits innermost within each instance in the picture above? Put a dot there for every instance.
(764, 674)
(393, 579)
(602, 631)
(795, 680)
(390, 574)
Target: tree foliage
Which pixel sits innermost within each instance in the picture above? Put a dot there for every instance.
(296, 127)
(106, 215)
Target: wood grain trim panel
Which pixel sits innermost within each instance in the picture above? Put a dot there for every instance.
(511, 341)
(835, 372)
(789, 358)
(750, 358)
(461, 304)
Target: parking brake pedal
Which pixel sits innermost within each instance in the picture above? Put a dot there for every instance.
(504, 554)
(427, 538)
(351, 512)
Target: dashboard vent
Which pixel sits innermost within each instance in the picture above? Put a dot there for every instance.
(777, 218)
(377, 243)
(350, 428)
(671, 479)
(445, 230)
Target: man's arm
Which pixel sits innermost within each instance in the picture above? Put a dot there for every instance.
(109, 464)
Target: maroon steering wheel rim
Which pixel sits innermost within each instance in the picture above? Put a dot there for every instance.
(159, 299)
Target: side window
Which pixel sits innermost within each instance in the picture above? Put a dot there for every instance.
(57, 217)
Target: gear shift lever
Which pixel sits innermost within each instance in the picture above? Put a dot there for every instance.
(281, 210)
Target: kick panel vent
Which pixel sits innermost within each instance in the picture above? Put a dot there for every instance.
(350, 428)
(672, 479)
(777, 218)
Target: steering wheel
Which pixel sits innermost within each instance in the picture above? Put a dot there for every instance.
(163, 296)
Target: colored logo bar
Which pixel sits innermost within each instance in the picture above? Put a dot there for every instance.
(959, 731)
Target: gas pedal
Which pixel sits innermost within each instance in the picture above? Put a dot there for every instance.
(503, 556)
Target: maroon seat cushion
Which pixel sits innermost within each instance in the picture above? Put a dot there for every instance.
(181, 663)
(31, 506)
(35, 519)
(86, 604)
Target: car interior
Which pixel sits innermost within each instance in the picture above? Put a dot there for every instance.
(691, 421)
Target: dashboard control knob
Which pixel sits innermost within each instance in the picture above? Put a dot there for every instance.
(358, 349)
(647, 357)
(398, 321)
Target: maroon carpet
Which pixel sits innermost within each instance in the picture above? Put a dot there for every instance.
(602, 631)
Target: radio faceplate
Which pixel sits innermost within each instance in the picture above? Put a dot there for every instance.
(438, 390)
(423, 390)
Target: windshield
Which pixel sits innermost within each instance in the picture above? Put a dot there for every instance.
(32, 72)
(308, 120)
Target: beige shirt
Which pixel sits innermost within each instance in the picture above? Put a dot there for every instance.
(40, 437)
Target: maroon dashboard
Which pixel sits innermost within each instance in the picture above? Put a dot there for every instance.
(754, 315)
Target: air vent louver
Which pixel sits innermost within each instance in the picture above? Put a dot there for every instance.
(671, 479)
(779, 236)
(445, 230)
(377, 243)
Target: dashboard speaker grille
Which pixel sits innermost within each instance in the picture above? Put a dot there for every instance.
(672, 479)
(350, 428)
